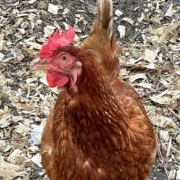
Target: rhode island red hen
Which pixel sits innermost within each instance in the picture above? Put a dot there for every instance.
(98, 129)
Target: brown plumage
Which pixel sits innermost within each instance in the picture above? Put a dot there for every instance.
(98, 129)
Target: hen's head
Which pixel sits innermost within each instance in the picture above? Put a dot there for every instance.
(60, 65)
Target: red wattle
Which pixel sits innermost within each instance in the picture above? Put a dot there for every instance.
(56, 79)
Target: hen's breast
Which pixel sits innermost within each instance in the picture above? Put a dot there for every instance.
(102, 137)
(111, 147)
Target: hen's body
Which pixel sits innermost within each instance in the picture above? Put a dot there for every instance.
(98, 129)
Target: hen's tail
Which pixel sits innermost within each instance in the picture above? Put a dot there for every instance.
(101, 42)
(105, 16)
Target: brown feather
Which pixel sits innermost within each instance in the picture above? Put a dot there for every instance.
(101, 42)
(99, 129)
(106, 127)
(47, 146)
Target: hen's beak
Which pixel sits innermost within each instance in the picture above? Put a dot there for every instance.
(40, 66)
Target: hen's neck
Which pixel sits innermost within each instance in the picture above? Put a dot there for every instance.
(96, 98)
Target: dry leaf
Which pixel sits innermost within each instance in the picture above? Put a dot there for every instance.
(178, 139)
(178, 174)
(5, 119)
(34, 45)
(34, 149)
(16, 157)
(162, 100)
(53, 9)
(118, 13)
(22, 129)
(170, 12)
(1, 56)
(3, 95)
(37, 159)
(121, 30)
(31, 1)
(168, 30)
(149, 55)
(130, 21)
(8, 170)
(137, 76)
(48, 30)
(161, 121)
(66, 11)
(142, 17)
(164, 135)
(145, 85)
(172, 174)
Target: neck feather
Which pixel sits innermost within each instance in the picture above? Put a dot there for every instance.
(96, 101)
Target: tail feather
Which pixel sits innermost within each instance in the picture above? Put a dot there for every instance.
(101, 42)
(105, 15)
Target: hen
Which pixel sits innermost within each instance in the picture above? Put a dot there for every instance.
(98, 129)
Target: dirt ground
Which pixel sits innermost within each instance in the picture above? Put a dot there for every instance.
(149, 34)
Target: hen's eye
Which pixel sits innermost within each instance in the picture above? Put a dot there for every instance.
(64, 57)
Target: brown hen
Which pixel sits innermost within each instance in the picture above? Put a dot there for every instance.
(98, 129)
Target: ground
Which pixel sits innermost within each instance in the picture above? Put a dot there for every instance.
(148, 31)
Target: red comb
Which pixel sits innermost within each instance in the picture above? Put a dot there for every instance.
(57, 40)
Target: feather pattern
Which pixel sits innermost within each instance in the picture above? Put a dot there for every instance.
(101, 42)
(101, 125)
(98, 129)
